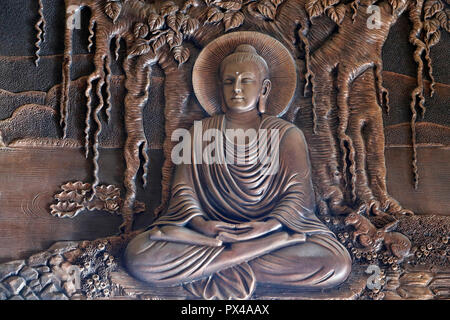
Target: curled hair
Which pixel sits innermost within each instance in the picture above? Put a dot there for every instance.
(246, 53)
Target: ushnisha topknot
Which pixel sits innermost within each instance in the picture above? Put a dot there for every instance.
(246, 53)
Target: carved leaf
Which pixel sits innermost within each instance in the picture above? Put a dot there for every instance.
(168, 8)
(447, 25)
(140, 47)
(159, 42)
(171, 20)
(214, 15)
(276, 3)
(314, 8)
(113, 9)
(435, 38)
(230, 5)
(174, 39)
(395, 4)
(188, 4)
(337, 14)
(329, 3)
(155, 22)
(190, 25)
(267, 10)
(432, 7)
(72, 196)
(141, 30)
(181, 55)
(233, 20)
(65, 209)
(77, 186)
(442, 18)
(431, 26)
(106, 192)
(113, 205)
(175, 21)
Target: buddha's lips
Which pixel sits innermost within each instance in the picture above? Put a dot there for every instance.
(238, 98)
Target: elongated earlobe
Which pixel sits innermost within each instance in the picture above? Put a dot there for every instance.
(267, 85)
(262, 106)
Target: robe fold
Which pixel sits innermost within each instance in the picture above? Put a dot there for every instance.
(251, 187)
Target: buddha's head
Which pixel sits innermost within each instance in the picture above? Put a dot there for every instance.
(244, 76)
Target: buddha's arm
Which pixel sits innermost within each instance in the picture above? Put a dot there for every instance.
(296, 208)
(182, 235)
(185, 213)
(184, 204)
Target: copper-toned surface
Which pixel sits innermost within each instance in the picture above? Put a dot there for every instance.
(133, 89)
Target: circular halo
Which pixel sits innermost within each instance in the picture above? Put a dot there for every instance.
(205, 78)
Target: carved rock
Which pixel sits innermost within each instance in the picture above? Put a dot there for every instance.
(4, 293)
(55, 260)
(31, 296)
(416, 293)
(14, 284)
(29, 274)
(10, 268)
(43, 269)
(39, 259)
(71, 256)
(25, 291)
(51, 292)
(47, 278)
(69, 288)
(418, 279)
(34, 283)
(63, 247)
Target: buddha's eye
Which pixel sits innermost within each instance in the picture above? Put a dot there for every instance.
(247, 80)
(228, 81)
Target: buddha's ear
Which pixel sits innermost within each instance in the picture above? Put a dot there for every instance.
(265, 90)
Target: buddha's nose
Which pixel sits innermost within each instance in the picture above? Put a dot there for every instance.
(237, 87)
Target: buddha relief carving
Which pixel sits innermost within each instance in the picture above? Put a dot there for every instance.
(238, 221)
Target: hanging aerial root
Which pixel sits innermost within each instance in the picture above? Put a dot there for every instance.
(430, 69)
(302, 35)
(309, 75)
(416, 93)
(87, 130)
(144, 151)
(101, 104)
(346, 144)
(91, 33)
(383, 94)
(417, 96)
(314, 105)
(67, 63)
(355, 7)
(117, 48)
(108, 87)
(40, 28)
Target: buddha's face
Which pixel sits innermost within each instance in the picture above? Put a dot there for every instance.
(242, 86)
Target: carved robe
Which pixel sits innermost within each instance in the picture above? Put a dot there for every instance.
(238, 193)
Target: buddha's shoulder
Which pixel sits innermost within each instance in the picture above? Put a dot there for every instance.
(290, 135)
(208, 122)
(273, 122)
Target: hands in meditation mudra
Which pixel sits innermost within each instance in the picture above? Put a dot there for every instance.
(232, 224)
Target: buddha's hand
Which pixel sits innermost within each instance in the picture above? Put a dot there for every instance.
(210, 228)
(249, 230)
